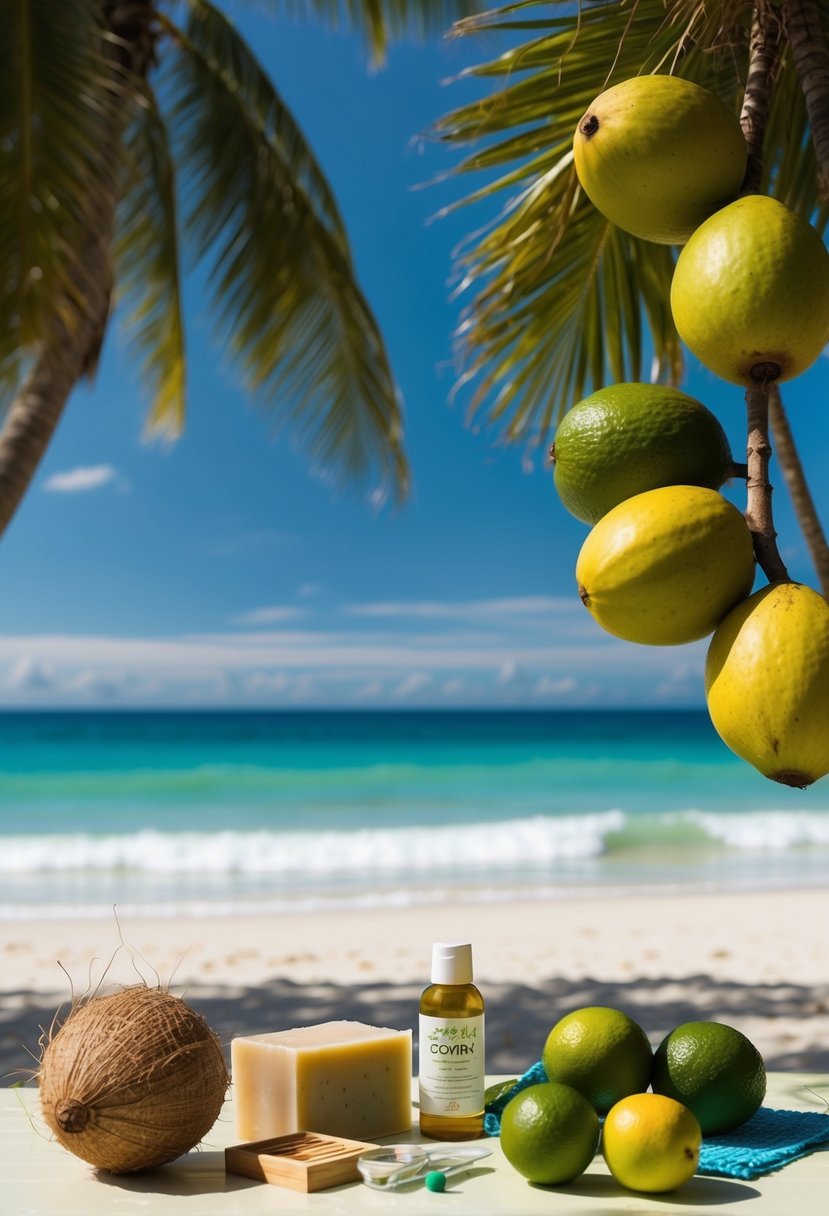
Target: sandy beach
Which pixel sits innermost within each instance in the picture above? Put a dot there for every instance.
(757, 961)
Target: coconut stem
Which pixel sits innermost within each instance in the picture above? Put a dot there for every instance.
(71, 1115)
(795, 478)
(758, 487)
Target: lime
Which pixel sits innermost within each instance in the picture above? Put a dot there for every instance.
(493, 1093)
(549, 1133)
(651, 1143)
(628, 438)
(601, 1052)
(712, 1069)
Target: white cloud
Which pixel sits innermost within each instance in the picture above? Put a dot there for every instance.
(464, 610)
(275, 614)
(369, 690)
(510, 673)
(96, 686)
(341, 667)
(266, 683)
(81, 479)
(27, 675)
(306, 590)
(548, 686)
(414, 683)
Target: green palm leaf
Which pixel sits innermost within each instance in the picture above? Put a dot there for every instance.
(561, 301)
(56, 93)
(259, 210)
(147, 260)
(537, 332)
(381, 21)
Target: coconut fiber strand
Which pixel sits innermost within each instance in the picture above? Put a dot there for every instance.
(769, 1140)
(132, 1080)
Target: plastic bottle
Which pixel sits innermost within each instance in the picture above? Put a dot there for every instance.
(451, 1072)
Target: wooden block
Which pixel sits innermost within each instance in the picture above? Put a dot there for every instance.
(303, 1161)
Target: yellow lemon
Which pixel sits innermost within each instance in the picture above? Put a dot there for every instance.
(628, 438)
(651, 1143)
(601, 1052)
(549, 1133)
(750, 292)
(767, 682)
(658, 154)
(664, 567)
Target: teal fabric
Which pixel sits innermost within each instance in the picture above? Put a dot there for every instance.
(768, 1141)
(492, 1111)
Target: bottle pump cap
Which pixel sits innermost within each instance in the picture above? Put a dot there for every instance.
(451, 963)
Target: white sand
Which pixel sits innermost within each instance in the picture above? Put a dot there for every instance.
(759, 962)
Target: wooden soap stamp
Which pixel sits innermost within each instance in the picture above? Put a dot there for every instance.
(303, 1161)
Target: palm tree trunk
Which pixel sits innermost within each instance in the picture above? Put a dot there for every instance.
(69, 349)
(799, 492)
(36, 410)
(811, 57)
(765, 49)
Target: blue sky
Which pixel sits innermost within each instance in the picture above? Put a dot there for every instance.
(224, 571)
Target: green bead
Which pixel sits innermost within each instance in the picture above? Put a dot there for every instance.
(435, 1181)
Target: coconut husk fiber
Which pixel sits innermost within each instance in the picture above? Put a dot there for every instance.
(132, 1080)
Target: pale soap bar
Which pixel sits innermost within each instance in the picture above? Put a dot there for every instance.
(340, 1078)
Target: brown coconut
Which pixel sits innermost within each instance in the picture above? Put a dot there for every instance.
(132, 1080)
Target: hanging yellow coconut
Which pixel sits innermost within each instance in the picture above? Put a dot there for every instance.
(658, 154)
(767, 683)
(132, 1080)
(664, 567)
(750, 292)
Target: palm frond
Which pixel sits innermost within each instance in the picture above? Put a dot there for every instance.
(148, 265)
(259, 210)
(537, 332)
(561, 301)
(56, 92)
(380, 21)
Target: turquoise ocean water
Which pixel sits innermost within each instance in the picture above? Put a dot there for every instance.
(195, 813)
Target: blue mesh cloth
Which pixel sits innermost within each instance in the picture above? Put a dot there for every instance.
(492, 1111)
(768, 1141)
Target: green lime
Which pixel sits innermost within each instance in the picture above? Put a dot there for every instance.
(712, 1069)
(549, 1133)
(493, 1092)
(628, 438)
(601, 1052)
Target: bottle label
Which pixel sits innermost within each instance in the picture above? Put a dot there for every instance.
(451, 1073)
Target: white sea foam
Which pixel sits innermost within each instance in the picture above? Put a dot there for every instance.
(508, 845)
(771, 831)
(505, 845)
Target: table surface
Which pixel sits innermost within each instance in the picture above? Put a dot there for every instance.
(39, 1178)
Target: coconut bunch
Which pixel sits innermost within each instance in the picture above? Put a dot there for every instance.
(132, 1080)
(670, 560)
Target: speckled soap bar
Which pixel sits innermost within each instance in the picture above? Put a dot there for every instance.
(339, 1078)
